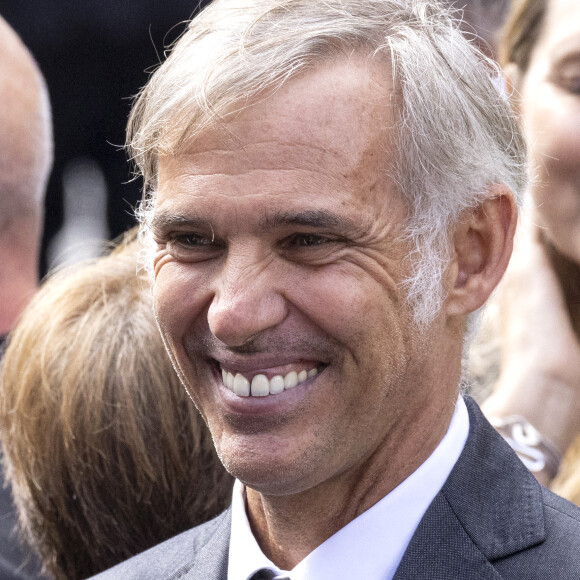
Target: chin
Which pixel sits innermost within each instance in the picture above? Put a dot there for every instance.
(268, 470)
(268, 478)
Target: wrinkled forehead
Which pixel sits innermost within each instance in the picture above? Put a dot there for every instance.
(322, 138)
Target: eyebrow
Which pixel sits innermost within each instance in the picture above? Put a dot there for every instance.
(165, 220)
(319, 219)
(568, 57)
(571, 57)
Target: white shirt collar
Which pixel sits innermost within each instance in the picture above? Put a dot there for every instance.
(372, 545)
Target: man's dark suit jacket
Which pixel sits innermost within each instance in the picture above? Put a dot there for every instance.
(491, 520)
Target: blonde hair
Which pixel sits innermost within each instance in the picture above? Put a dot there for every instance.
(567, 482)
(456, 134)
(521, 32)
(105, 453)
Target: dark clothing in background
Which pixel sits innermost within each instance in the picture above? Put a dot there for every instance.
(14, 563)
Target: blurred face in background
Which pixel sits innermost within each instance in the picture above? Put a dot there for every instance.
(550, 107)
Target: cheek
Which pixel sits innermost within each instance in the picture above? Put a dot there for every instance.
(178, 300)
(552, 128)
(566, 139)
(178, 303)
(364, 315)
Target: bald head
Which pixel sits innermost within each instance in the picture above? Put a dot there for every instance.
(25, 132)
(25, 160)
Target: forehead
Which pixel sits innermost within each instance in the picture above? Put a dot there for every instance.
(333, 119)
(562, 23)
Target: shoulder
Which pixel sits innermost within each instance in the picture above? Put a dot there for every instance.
(562, 520)
(522, 529)
(558, 554)
(174, 558)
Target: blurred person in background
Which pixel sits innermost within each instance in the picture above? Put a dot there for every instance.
(93, 55)
(25, 160)
(104, 450)
(530, 336)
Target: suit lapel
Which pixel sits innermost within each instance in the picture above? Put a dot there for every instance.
(211, 562)
(490, 507)
(441, 550)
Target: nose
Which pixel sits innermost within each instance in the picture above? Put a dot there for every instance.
(247, 301)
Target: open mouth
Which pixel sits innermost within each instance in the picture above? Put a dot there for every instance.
(262, 385)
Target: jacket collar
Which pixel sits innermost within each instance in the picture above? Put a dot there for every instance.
(490, 507)
(211, 562)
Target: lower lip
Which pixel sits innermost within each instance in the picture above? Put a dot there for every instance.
(262, 405)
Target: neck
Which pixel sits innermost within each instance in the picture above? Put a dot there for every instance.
(15, 292)
(289, 527)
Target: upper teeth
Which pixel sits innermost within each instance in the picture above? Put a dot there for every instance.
(261, 385)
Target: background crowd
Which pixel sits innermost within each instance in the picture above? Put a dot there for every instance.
(105, 454)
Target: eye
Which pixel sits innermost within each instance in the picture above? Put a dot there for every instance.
(193, 247)
(567, 77)
(569, 82)
(573, 85)
(307, 240)
(312, 248)
(192, 240)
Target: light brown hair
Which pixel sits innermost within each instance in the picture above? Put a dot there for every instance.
(105, 452)
(521, 31)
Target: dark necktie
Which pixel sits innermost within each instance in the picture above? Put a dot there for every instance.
(264, 574)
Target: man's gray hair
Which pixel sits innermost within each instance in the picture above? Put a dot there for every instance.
(455, 133)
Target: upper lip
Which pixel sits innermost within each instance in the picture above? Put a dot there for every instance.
(257, 363)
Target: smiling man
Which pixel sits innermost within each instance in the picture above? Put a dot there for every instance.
(331, 192)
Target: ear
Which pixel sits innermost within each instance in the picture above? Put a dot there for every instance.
(513, 82)
(482, 244)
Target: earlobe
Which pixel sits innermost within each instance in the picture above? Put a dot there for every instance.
(483, 243)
